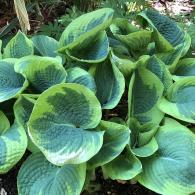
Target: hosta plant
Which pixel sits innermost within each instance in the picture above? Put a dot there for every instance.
(65, 93)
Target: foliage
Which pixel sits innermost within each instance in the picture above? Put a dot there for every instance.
(63, 91)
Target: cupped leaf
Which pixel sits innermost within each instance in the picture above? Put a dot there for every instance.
(4, 123)
(45, 46)
(185, 67)
(81, 76)
(137, 40)
(179, 102)
(41, 72)
(156, 66)
(85, 26)
(116, 137)
(94, 50)
(167, 34)
(110, 84)
(38, 176)
(171, 169)
(124, 167)
(122, 26)
(62, 121)
(11, 82)
(22, 110)
(145, 92)
(146, 150)
(13, 143)
(19, 46)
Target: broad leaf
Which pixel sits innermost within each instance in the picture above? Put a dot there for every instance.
(185, 67)
(110, 84)
(116, 137)
(45, 46)
(4, 123)
(22, 110)
(179, 101)
(11, 82)
(94, 50)
(84, 27)
(124, 167)
(145, 92)
(81, 76)
(38, 176)
(41, 72)
(19, 46)
(171, 169)
(167, 34)
(13, 142)
(62, 121)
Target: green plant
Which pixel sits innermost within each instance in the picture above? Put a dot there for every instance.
(65, 92)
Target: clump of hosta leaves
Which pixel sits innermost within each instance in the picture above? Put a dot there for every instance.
(64, 91)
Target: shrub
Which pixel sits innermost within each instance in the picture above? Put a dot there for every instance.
(64, 91)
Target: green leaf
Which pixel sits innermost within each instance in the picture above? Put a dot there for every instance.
(126, 66)
(122, 26)
(146, 150)
(19, 46)
(179, 101)
(85, 26)
(124, 167)
(171, 169)
(94, 50)
(38, 176)
(1, 55)
(11, 82)
(62, 121)
(41, 72)
(4, 123)
(13, 143)
(80, 76)
(22, 110)
(156, 66)
(167, 34)
(110, 84)
(191, 32)
(185, 68)
(144, 94)
(116, 137)
(46, 46)
(137, 40)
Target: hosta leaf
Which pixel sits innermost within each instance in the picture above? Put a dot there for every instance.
(185, 67)
(122, 26)
(171, 58)
(4, 122)
(146, 150)
(124, 167)
(167, 34)
(125, 66)
(22, 110)
(110, 84)
(19, 46)
(61, 122)
(11, 82)
(94, 50)
(41, 72)
(137, 40)
(46, 46)
(144, 94)
(179, 102)
(38, 176)
(157, 67)
(191, 31)
(116, 137)
(80, 76)
(85, 26)
(171, 169)
(13, 144)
